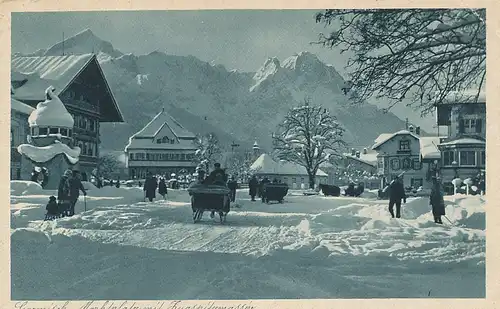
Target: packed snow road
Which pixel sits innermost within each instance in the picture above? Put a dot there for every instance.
(308, 247)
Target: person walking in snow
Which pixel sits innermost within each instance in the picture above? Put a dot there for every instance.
(52, 209)
(396, 194)
(232, 185)
(436, 201)
(75, 185)
(150, 187)
(63, 193)
(162, 188)
(253, 185)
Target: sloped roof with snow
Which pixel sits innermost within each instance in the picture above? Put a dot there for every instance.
(464, 141)
(145, 138)
(42, 72)
(20, 107)
(429, 149)
(465, 97)
(266, 165)
(369, 158)
(385, 137)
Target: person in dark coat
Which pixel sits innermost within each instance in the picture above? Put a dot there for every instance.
(150, 187)
(262, 185)
(217, 176)
(396, 194)
(162, 188)
(253, 185)
(232, 185)
(436, 201)
(75, 185)
(52, 208)
(118, 183)
(63, 193)
(200, 179)
(350, 190)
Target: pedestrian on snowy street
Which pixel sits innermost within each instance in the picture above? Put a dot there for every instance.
(75, 185)
(436, 201)
(150, 186)
(253, 185)
(63, 193)
(162, 188)
(396, 194)
(232, 185)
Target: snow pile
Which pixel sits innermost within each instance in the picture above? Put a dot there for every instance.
(51, 112)
(46, 153)
(22, 187)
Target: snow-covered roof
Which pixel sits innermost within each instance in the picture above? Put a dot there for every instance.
(466, 96)
(384, 137)
(266, 165)
(20, 107)
(51, 112)
(464, 140)
(428, 147)
(145, 138)
(44, 154)
(44, 71)
(369, 158)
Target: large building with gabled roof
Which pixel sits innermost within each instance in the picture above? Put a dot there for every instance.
(81, 85)
(162, 147)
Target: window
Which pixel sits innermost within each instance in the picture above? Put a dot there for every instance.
(164, 140)
(53, 130)
(407, 163)
(467, 158)
(172, 141)
(63, 131)
(404, 145)
(483, 158)
(183, 157)
(158, 141)
(70, 132)
(417, 182)
(43, 131)
(92, 125)
(448, 158)
(131, 158)
(417, 165)
(380, 163)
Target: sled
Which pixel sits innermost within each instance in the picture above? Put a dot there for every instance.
(213, 198)
(274, 192)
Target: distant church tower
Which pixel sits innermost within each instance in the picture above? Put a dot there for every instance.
(256, 150)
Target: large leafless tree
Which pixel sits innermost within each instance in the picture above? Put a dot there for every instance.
(309, 136)
(417, 56)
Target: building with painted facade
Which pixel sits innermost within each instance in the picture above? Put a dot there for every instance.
(81, 84)
(162, 147)
(463, 150)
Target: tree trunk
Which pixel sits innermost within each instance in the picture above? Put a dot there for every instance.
(311, 181)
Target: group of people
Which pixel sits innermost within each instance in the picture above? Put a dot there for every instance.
(397, 194)
(68, 193)
(256, 186)
(151, 184)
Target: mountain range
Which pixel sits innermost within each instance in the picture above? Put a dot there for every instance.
(240, 107)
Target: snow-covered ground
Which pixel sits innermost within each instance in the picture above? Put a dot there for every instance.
(308, 247)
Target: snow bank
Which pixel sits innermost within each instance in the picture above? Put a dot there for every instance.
(51, 112)
(46, 153)
(22, 187)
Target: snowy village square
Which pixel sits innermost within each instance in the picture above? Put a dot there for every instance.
(248, 154)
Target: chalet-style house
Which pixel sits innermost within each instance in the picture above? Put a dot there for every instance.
(162, 147)
(397, 153)
(463, 150)
(294, 175)
(362, 165)
(81, 85)
(19, 131)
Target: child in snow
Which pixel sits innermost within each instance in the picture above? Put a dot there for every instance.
(52, 209)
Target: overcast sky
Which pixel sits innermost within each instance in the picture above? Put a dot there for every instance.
(237, 39)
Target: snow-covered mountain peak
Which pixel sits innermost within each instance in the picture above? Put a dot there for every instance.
(83, 42)
(304, 61)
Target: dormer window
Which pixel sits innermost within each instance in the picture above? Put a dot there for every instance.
(158, 141)
(404, 145)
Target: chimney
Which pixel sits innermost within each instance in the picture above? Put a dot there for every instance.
(411, 129)
(353, 152)
(358, 154)
(417, 130)
(365, 151)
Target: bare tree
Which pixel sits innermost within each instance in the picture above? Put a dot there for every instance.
(422, 55)
(239, 163)
(107, 165)
(208, 150)
(308, 136)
